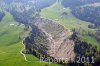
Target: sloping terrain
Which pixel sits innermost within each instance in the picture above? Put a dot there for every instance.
(69, 21)
(11, 46)
(12, 34)
(46, 32)
(50, 29)
(52, 38)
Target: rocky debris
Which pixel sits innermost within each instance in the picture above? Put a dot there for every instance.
(50, 39)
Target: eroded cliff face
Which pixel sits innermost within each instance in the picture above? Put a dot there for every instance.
(51, 39)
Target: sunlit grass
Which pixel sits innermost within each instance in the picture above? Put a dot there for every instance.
(54, 13)
(11, 46)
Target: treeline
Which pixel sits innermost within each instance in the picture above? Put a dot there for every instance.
(36, 41)
(22, 17)
(84, 49)
(95, 35)
(38, 4)
(83, 32)
(1, 15)
(89, 14)
(74, 3)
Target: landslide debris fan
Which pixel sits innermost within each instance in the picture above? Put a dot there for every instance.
(47, 37)
(50, 39)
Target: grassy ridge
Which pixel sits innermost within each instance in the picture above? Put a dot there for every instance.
(11, 45)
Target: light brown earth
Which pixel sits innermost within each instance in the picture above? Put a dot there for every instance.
(60, 46)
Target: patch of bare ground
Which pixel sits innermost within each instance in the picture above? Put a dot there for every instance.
(60, 46)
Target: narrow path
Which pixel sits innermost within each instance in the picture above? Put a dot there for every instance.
(23, 53)
(25, 56)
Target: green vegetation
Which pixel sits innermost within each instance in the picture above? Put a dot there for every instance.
(11, 46)
(12, 34)
(31, 58)
(69, 21)
(91, 41)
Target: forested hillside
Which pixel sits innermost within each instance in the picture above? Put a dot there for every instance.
(37, 4)
(89, 14)
(74, 3)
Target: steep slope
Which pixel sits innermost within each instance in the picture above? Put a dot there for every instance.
(11, 45)
(46, 34)
(51, 39)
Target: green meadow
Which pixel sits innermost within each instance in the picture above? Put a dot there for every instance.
(55, 11)
(69, 21)
(11, 46)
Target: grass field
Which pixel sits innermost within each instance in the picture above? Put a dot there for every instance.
(11, 46)
(69, 21)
